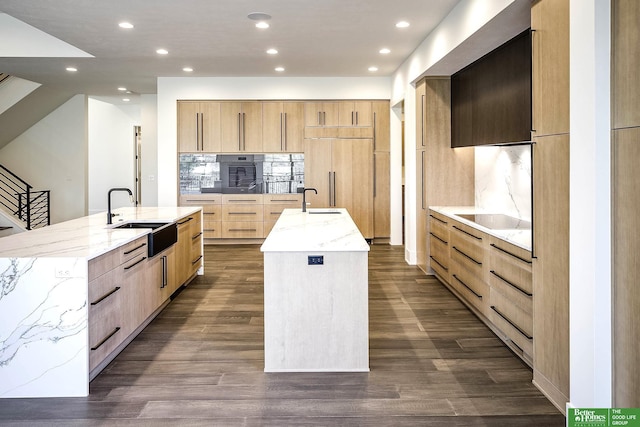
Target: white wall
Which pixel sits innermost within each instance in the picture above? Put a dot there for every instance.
(149, 105)
(111, 152)
(171, 89)
(590, 204)
(52, 155)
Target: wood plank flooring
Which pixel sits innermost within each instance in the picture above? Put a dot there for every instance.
(200, 363)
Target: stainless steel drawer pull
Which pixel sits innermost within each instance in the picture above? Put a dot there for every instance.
(463, 254)
(510, 253)
(242, 229)
(105, 296)
(196, 236)
(135, 249)
(436, 261)
(243, 213)
(438, 219)
(284, 200)
(442, 240)
(509, 321)
(195, 261)
(135, 263)
(467, 286)
(466, 232)
(243, 201)
(508, 282)
(105, 339)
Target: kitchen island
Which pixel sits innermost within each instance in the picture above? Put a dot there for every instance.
(63, 288)
(316, 316)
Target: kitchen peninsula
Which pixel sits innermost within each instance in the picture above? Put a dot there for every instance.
(74, 294)
(316, 293)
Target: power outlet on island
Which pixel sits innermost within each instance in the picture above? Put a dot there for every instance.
(315, 260)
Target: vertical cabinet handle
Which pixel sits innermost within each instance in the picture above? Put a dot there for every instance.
(319, 118)
(239, 130)
(284, 132)
(201, 131)
(357, 121)
(422, 182)
(374, 131)
(422, 121)
(244, 138)
(352, 121)
(324, 118)
(330, 189)
(334, 189)
(281, 132)
(375, 177)
(197, 131)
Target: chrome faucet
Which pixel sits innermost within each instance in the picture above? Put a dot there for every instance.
(304, 197)
(109, 214)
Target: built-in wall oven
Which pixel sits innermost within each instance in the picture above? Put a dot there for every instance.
(241, 173)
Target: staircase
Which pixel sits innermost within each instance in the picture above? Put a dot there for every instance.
(30, 208)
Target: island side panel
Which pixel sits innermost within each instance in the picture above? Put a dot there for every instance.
(316, 316)
(43, 327)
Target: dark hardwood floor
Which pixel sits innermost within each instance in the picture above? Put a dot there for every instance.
(200, 363)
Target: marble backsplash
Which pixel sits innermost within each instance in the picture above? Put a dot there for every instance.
(503, 180)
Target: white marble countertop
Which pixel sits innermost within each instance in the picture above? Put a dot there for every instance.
(518, 237)
(87, 237)
(298, 231)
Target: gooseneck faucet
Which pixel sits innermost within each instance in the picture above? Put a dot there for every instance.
(304, 197)
(109, 214)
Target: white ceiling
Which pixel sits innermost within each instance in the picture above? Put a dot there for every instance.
(336, 38)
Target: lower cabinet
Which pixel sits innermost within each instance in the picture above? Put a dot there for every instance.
(126, 287)
(490, 275)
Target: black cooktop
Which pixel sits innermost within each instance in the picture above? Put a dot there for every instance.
(498, 221)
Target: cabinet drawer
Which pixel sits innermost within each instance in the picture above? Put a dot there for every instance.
(212, 229)
(103, 290)
(516, 324)
(272, 212)
(470, 286)
(466, 232)
(242, 213)
(200, 199)
(212, 212)
(102, 264)
(467, 254)
(134, 250)
(439, 258)
(106, 330)
(196, 252)
(242, 230)
(439, 230)
(244, 199)
(291, 200)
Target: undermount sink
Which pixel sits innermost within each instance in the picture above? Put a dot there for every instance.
(163, 236)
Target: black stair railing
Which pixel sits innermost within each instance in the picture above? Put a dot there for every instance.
(18, 197)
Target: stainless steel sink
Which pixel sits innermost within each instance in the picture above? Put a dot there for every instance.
(162, 236)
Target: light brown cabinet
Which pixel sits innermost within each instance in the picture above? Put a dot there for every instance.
(188, 256)
(625, 62)
(199, 126)
(355, 113)
(282, 127)
(241, 126)
(382, 169)
(551, 266)
(342, 172)
(550, 74)
(321, 113)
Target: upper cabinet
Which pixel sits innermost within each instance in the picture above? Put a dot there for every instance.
(282, 127)
(198, 126)
(241, 127)
(550, 55)
(625, 61)
(321, 113)
(355, 113)
(381, 132)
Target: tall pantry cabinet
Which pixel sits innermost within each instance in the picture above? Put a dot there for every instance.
(625, 108)
(550, 133)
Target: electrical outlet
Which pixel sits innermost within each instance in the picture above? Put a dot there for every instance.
(63, 273)
(315, 260)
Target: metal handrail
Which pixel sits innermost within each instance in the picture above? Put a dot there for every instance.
(31, 207)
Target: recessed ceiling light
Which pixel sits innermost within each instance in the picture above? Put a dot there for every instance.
(187, 69)
(72, 69)
(279, 69)
(262, 25)
(126, 25)
(126, 99)
(259, 16)
(373, 69)
(122, 89)
(162, 51)
(272, 51)
(402, 24)
(384, 51)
